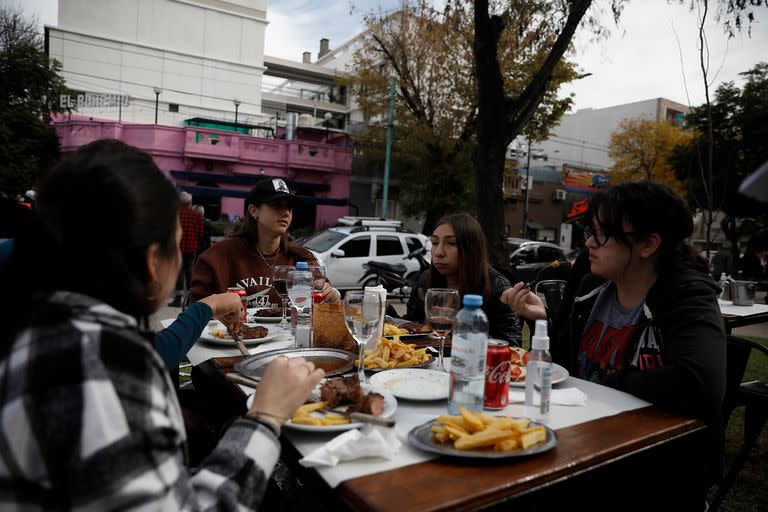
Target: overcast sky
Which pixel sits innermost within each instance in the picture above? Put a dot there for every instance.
(641, 60)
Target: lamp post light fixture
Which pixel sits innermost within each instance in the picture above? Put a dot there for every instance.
(328, 116)
(237, 106)
(157, 100)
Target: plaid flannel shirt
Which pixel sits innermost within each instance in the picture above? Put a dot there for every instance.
(89, 420)
(191, 229)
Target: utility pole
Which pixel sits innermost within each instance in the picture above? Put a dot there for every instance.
(389, 147)
(527, 191)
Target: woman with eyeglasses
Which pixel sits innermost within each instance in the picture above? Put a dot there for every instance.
(645, 320)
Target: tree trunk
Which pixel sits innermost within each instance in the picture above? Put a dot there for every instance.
(491, 142)
(500, 119)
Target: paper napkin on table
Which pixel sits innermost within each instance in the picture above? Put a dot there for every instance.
(565, 396)
(354, 444)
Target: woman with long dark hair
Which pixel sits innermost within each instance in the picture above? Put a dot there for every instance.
(88, 414)
(646, 319)
(246, 260)
(460, 261)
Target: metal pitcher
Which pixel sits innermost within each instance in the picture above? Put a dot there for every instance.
(743, 292)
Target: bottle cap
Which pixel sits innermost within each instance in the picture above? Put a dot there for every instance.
(473, 301)
(540, 340)
(302, 265)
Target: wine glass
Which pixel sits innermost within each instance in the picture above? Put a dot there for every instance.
(362, 314)
(440, 308)
(280, 278)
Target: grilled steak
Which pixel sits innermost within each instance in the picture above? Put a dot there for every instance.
(372, 403)
(269, 312)
(344, 390)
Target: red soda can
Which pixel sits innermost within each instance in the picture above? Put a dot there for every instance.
(241, 293)
(497, 367)
(317, 297)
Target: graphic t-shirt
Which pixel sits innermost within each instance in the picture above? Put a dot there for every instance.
(606, 337)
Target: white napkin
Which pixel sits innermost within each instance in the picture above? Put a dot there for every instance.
(564, 396)
(354, 444)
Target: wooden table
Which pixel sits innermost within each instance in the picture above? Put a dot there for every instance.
(637, 455)
(598, 459)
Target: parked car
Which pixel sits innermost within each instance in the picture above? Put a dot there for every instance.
(528, 257)
(345, 248)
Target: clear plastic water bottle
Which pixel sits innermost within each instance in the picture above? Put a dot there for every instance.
(300, 292)
(725, 287)
(538, 375)
(468, 352)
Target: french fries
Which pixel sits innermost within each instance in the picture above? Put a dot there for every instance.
(307, 415)
(480, 431)
(393, 330)
(394, 354)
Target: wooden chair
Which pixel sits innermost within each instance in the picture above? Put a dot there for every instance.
(753, 395)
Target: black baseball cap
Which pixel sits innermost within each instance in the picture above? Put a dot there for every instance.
(267, 191)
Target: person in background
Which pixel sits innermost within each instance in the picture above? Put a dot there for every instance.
(84, 398)
(205, 237)
(460, 261)
(192, 229)
(246, 259)
(751, 264)
(646, 319)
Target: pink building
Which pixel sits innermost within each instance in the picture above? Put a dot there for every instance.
(218, 167)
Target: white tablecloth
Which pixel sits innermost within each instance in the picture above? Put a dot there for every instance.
(727, 308)
(602, 401)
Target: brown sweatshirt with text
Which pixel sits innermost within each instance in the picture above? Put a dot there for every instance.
(234, 262)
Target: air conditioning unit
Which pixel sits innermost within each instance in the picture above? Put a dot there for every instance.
(559, 195)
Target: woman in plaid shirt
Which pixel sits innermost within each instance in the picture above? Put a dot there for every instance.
(88, 415)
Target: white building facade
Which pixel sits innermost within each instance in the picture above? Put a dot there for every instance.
(188, 58)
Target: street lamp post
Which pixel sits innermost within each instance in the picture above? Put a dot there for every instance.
(527, 191)
(157, 100)
(237, 106)
(328, 116)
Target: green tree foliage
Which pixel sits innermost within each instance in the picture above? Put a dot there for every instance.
(740, 132)
(29, 93)
(429, 54)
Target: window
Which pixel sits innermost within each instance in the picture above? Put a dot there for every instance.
(413, 244)
(523, 256)
(549, 254)
(173, 107)
(357, 247)
(388, 246)
(323, 241)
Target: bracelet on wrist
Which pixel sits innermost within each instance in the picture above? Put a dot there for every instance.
(265, 419)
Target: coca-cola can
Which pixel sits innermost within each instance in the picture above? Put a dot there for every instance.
(497, 367)
(241, 293)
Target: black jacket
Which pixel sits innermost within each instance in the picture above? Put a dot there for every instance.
(503, 324)
(682, 313)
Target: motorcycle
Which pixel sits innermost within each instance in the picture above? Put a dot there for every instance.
(393, 277)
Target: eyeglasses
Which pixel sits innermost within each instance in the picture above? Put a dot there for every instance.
(601, 237)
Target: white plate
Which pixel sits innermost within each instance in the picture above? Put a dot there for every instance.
(390, 406)
(559, 374)
(273, 332)
(262, 319)
(414, 384)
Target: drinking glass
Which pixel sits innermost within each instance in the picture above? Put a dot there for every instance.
(318, 278)
(280, 277)
(362, 314)
(440, 308)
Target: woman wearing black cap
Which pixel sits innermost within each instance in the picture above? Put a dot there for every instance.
(246, 260)
(646, 319)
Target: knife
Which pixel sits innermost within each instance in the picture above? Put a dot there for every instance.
(239, 343)
(363, 417)
(240, 379)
